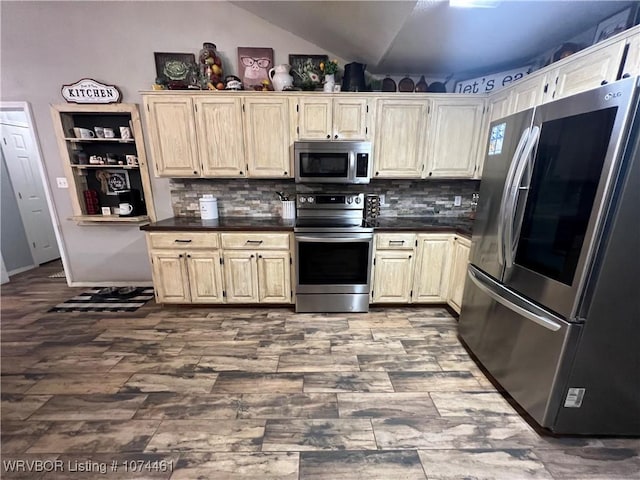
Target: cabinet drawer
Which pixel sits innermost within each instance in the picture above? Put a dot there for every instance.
(395, 241)
(184, 240)
(255, 240)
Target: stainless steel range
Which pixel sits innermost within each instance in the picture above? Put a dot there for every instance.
(333, 253)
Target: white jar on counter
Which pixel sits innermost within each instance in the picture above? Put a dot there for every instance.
(208, 207)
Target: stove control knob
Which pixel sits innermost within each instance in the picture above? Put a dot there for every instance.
(310, 199)
(303, 199)
(358, 199)
(349, 200)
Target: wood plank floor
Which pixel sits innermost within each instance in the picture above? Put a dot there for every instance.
(255, 393)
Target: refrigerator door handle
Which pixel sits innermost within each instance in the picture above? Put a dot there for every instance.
(514, 192)
(514, 303)
(505, 194)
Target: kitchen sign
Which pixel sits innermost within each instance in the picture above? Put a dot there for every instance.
(491, 83)
(88, 90)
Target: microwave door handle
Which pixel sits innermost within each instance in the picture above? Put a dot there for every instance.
(505, 194)
(514, 194)
(352, 165)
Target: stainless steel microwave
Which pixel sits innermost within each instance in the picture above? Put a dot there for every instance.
(332, 162)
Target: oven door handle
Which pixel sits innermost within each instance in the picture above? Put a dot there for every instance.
(305, 238)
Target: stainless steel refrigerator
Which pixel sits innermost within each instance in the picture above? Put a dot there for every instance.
(551, 306)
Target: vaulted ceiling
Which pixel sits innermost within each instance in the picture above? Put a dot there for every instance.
(432, 37)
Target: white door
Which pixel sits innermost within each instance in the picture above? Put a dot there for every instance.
(22, 163)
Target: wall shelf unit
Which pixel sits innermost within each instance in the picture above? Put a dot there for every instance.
(102, 182)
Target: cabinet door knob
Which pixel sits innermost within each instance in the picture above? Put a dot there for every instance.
(195, 172)
(259, 256)
(626, 75)
(377, 173)
(603, 82)
(430, 173)
(241, 172)
(252, 255)
(335, 136)
(285, 173)
(188, 256)
(328, 136)
(180, 256)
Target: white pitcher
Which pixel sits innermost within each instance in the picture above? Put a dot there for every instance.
(280, 77)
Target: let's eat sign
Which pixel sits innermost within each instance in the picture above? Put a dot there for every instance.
(88, 90)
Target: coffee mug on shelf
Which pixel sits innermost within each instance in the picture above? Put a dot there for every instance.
(112, 159)
(96, 160)
(109, 133)
(125, 209)
(99, 132)
(83, 132)
(125, 133)
(132, 160)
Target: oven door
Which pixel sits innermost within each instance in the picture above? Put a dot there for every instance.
(333, 262)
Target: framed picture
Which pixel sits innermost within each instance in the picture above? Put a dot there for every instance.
(175, 67)
(113, 181)
(614, 24)
(254, 64)
(306, 70)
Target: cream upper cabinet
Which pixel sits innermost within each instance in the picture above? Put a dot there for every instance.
(431, 279)
(399, 138)
(274, 277)
(205, 277)
(530, 91)
(392, 277)
(350, 118)
(454, 132)
(461, 248)
(170, 278)
(588, 70)
(499, 105)
(267, 137)
(241, 276)
(326, 118)
(632, 62)
(315, 118)
(172, 131)
(220, 134)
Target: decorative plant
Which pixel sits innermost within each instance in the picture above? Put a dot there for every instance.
(330, 67)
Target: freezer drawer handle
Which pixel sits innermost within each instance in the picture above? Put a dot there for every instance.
(543, 321)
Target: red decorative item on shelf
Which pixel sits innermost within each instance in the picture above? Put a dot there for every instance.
(91, 202)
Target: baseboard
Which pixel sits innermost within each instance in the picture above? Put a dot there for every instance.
(111, 284)
(21, 269)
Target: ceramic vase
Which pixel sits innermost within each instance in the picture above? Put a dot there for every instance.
(329, 82)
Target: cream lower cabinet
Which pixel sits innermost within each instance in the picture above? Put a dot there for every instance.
(454, 133)
(460, 259)
(393, 267)
(433, 267)
(257, 267)
(400, 137)
(186, 267)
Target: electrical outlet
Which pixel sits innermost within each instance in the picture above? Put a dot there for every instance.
(457, 201)
(62, 182)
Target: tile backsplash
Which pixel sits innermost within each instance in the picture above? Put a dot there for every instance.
(257, 198)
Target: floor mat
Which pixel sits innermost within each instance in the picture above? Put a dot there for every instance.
(59, 274)
(125, 299)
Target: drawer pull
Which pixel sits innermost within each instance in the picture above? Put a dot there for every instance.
(182, 241)
(253, 242)
(396, 242)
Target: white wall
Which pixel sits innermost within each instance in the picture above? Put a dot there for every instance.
(47, 44)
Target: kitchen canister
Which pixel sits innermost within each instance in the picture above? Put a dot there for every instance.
(288, 209)
(208, 207)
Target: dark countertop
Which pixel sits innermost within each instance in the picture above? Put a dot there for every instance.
(457, 225)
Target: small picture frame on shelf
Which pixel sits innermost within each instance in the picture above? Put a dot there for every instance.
(176, 68)
(113, 181)
(614, 24)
